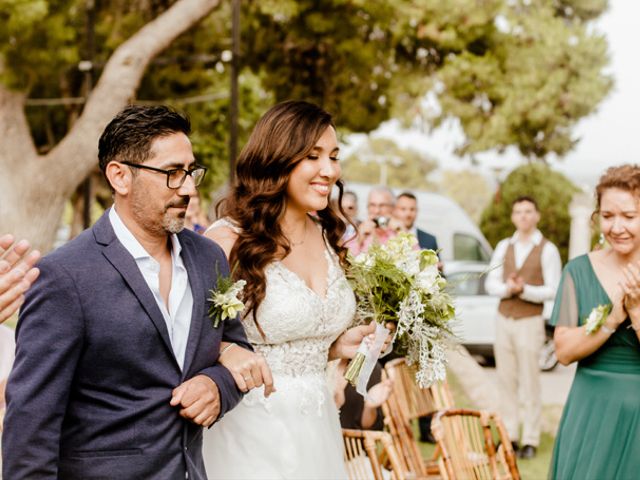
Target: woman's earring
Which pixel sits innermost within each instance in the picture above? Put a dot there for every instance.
(601, 239)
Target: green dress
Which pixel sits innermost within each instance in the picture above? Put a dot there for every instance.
(599, 434)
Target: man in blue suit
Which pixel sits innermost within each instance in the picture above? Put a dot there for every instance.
(116, 368)
(406, 210)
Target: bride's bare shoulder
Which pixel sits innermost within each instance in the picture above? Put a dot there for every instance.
(223, 235)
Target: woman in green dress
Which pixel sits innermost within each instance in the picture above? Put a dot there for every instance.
(599, 434)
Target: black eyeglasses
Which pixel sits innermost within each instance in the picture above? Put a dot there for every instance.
(175, 176)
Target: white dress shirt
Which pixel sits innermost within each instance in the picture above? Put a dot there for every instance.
(551, 270)
(177, 315)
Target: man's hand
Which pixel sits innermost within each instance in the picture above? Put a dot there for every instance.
(199, 400)
(249, 369)
(17, 273)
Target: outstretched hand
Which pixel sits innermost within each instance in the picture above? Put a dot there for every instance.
(17, 273)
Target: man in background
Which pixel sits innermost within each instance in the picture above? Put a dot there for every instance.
(406, 211)
(350, 208)
(525, 273)
(380, 226)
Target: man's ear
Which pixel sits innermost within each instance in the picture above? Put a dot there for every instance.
(119, 176)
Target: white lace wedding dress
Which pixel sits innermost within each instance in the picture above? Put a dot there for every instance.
(295, 433)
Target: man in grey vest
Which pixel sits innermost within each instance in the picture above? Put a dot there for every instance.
(525, 274)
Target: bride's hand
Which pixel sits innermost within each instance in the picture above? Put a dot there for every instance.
(249, 369)
(346, 345)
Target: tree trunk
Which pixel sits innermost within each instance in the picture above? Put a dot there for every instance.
(33, 188)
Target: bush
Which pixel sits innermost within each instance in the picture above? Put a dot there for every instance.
(551, 190)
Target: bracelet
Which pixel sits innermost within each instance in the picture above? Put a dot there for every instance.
(225, 349)
(603, 327)
(632, 326)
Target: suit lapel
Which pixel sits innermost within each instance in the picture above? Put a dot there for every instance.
(124, 263)
(199, 301)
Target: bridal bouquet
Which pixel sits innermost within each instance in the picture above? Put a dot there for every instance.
(398, 283)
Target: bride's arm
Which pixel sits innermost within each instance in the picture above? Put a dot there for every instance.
(249, 369)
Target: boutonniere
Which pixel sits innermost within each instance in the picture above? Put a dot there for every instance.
(596, 318)
(225, 300)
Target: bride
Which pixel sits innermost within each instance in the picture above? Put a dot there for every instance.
(282, 236)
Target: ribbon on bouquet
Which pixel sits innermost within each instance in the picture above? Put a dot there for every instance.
(372, 354)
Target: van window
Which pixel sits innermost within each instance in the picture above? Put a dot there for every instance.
(466, 247)
(466, 283)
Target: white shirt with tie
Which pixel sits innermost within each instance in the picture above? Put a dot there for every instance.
(177, 315)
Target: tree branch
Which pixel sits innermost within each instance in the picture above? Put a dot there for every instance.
(77, 152)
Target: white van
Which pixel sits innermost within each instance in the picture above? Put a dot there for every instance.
(457, 236)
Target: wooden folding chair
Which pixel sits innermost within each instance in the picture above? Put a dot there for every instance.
(466, 440)
(368, 452)
(406, 403)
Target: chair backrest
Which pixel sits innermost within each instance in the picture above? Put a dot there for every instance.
(415, 401)
(407, 402)
(466, 440)
(368, 452)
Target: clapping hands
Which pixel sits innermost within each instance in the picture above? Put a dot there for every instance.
(515, 285)
(17, 273)
(630, 287)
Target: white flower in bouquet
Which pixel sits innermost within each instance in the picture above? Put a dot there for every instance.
(427, 279)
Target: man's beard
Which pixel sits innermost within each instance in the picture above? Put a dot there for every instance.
(171, 223)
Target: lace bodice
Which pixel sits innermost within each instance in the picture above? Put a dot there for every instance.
(299, 324)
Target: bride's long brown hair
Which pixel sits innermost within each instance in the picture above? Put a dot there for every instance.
(283, 137)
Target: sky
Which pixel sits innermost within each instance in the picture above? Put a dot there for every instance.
(606, 137)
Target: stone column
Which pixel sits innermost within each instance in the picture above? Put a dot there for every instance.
(580, 209)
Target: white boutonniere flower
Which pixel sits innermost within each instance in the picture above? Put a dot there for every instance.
(596, 318)
(225, 300)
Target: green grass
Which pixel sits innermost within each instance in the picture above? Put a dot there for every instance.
(534, 469)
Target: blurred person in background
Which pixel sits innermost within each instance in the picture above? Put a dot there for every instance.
(195, 219)
(597, 320)
(525, 273)
(357, 412)
(350, 208)
(406, 211)
(380, 226)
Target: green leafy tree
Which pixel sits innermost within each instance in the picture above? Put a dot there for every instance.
(513, 72)
(382, 161)
(551, 190)
(469, 189)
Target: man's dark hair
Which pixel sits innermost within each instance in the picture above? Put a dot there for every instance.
(407, 195)
(129, 135)
(525, 198)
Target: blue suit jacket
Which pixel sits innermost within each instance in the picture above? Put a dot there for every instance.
(89, 393)
(427, 241)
